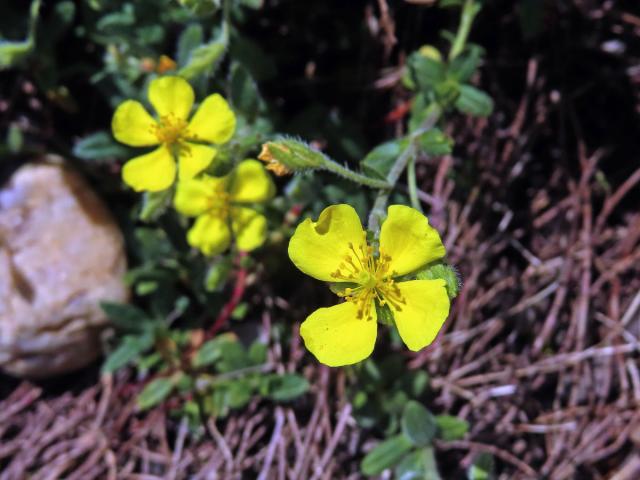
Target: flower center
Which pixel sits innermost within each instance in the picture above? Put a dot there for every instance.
(371, 274)
(170, 129)
(219, 203)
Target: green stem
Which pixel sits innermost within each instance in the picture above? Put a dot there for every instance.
(413, 187)
(409, 154)
(469, 11)
(226, 20)
(338, 169)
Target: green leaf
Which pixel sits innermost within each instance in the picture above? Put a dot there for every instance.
(234, 357)
(124, 18)
(450, 3)
(444, 272)
(482, 468)
(464, 65)
(418, 465)
(244, 90)
(99, 146)
(238, 394)
(474, 102)
(418, 424)
(254, 4)
(125, 316)
(130, 348)
(287, 387)
(451, 428)
(385, 455)
(218, 274)
(190, 38)
(436, 142)
(419, 382)
(426, 72)
(212, 350)
(201, 7)
(258, 353)
(421, 108)
(379, 161)
(12, 52)
(447, 92)
(203, 59)
(155, 392)
(240, 311)
(155, 204)
(15, 139)
(65, 10)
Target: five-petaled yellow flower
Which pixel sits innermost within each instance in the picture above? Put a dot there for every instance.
(334, 249)
(172, 98)
(220, 205)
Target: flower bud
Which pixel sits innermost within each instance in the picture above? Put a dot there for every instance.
(287, 156)
(429, 51)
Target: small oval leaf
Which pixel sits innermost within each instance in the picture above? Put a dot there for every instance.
(418, 424)
(155, 392)
(385, 455)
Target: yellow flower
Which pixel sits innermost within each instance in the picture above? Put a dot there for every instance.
(334, 249)
(172, 99)
(220, 205)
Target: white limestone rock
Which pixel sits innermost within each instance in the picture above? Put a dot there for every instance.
(61, 253)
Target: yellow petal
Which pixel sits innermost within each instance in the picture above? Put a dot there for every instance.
(193, 159)
(214, 121)
(249, 228)
(152, 172)
(409, 240)
(337, 337)
(318, 248)
(194, 197)
(425, 308)
(171, 96)
(251, 183)
(209, 234)
(132, 125)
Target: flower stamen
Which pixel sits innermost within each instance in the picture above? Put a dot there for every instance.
(375, 281)
(170, 129)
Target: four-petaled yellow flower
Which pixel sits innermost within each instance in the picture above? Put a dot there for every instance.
(334, 249)
(172, 98)
(220, 205)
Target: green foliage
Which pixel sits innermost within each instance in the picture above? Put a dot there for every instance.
(418, 424)
(410, 453)
(99, 146)
(12, 52)
(474, 102)
(203, 58)
(482, 468)
(451, 428)
(385, 455)
(444, 272)
(286, 387)
(155, 392)
(418, 465)
(379, 161)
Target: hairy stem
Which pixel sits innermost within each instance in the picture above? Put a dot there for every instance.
(338, 169)
(413, 187)
(409, 154)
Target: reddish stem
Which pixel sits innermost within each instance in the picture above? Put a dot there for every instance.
(236, 296)
(398, 113)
